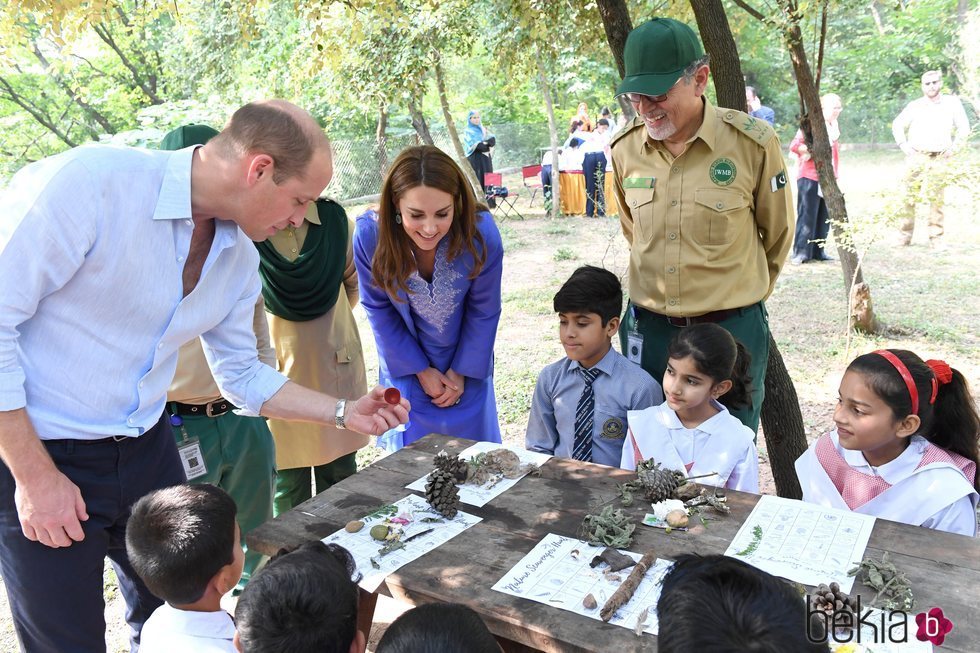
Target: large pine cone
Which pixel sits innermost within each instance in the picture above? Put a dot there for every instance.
(452, 464)
(442, 493)
(835, 602)
(658, 484)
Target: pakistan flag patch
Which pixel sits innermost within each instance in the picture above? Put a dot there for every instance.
(722, 171)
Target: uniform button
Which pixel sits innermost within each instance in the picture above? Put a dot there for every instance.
(671, 269)
(180, 259)
(190, 222)
(672, 236)
(673, 202)
(348, 358)
(719, 205)
(633, 204)
(675, 169)
(729, 115)
(293, 250)
(672, 302)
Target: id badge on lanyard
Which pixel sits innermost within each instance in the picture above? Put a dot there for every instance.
(634, 339)
(189, 451)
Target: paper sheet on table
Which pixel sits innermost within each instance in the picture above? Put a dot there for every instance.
(803, 542)
(479, 496)
(553, 575)
(364, 547)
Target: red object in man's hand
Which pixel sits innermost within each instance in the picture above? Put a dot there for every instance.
(392, 396)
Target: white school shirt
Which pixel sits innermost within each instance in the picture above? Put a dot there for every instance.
(936, 495)
(169, 630)
(571, 159)
(92, 314)
(596, 142)
(720, 445)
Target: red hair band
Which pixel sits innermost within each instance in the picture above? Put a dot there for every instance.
(943, 375)
(906, 376)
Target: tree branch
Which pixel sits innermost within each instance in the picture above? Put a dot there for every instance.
(752, 11)
(102, 31)
(35, 112)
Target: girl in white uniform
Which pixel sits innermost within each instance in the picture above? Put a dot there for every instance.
(905, 447)
(693, 430)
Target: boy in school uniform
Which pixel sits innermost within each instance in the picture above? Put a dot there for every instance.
(184, 542)
(580, 402)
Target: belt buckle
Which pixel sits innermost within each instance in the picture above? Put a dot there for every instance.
(209, 406)
(119, 438)
(680, 322)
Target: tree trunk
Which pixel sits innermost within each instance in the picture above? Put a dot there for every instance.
(418, 121)
(876, 15)
(720, 44)
(782, 425)
(553, 134)
(823, 161)
(447, 115)
(616, 21)
(782, 421)
(380, 144)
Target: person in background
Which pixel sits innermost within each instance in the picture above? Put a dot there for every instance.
(592, 374)
(582, 116)
(594, 167)
(548, 173)
(429, 262)
(606, 114)
(477, 144)
(756, 108)
(571, 158)
(812, 219)
(929, 130)
(309, 283)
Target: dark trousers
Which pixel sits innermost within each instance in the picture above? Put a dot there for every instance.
(546, 180)
(56, 594)
(294, 486)
(594, 168)
(812, 221)
(750, 327)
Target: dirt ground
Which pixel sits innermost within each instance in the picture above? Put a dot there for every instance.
(927, 298)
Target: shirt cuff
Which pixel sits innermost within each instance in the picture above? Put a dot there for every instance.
(263, 385)
(12, 393)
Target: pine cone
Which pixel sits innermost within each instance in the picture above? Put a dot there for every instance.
(658, 484)
(442, 493)
(835, 602)
(453, 464)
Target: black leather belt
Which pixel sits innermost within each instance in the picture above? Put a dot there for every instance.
(214, 408)
(713, 316)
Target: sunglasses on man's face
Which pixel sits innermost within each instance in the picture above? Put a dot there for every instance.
(934, 82)
(636, 98)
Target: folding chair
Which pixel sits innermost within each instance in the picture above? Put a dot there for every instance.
(497, 191)
(532, 180)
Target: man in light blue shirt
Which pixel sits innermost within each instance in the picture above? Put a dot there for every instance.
(110, 259)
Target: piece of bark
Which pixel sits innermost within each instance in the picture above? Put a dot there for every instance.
(625, 591)
(613, 558)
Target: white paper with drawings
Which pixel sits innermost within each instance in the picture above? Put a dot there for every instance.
(552, 574)
(476, 495)
(803, 542)
(364, 548)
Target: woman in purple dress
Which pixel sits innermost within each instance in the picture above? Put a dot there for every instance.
(429, 262)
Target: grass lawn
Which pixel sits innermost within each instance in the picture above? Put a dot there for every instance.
(928, 299)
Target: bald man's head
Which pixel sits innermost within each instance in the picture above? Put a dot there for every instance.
(277, 128)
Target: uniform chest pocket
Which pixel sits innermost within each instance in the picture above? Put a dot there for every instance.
(719, 216)
(640, 204)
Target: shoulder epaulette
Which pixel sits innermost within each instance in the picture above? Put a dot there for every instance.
(627, 128)
(757, 129)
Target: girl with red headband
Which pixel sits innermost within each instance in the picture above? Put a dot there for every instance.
(905, 447)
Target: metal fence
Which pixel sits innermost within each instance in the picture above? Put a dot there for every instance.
(360, 165)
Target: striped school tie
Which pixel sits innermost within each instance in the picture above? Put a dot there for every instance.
(583, 417)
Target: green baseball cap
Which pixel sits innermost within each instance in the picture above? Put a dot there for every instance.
(656, 54)
(187, 135)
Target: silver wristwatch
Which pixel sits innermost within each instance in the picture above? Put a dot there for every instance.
(338, 416)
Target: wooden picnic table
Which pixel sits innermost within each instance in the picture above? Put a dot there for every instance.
(944, 569)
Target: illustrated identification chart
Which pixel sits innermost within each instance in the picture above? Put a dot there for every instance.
(480, 495)
(557, 573)
(803, 542)
(421, 529)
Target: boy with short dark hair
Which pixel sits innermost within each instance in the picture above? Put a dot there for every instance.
(185, 544)
(580, 402)
(723, 605)
(438, 628)
(302, 601)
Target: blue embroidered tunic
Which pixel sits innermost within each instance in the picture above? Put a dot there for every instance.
(450, 322)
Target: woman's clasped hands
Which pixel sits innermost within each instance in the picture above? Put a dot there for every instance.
(445, 389)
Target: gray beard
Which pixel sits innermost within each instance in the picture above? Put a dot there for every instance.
(662, 131)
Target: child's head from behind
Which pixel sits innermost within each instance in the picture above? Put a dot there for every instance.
(303, 601)
(588, 307)
(438, 628)
(888, 395)
(720, 604)
(184, 540)
(705, 362)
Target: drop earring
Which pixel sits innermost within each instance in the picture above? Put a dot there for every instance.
(398, 217)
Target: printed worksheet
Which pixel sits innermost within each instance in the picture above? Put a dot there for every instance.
(803, 542)
(480, 495)
(416, 529)
(557, 573)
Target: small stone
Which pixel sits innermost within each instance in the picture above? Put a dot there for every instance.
(589, 602)
(677, 519)
(380, 532)
(354, 526)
